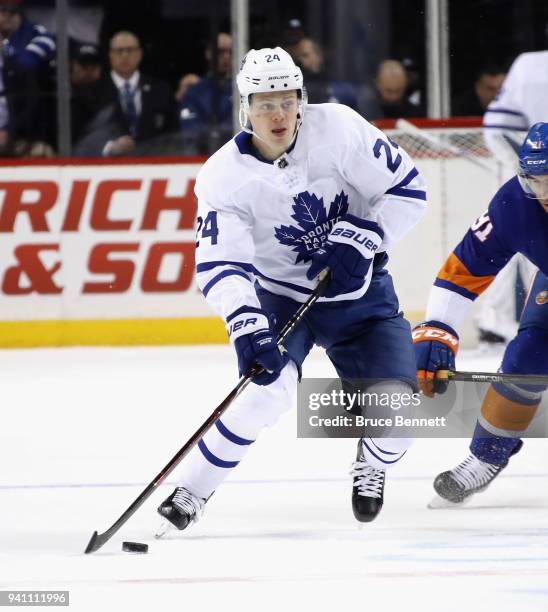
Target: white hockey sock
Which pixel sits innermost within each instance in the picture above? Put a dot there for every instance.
(383, 453)
(210, 462)
(226, 443)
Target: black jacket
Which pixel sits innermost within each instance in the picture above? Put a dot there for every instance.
(98, 116)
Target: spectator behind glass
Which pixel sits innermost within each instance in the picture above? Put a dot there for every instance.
(85, 64)
(124, 109)
(205, 104)
(388, 98)
(414, 84)
(319, 86)
(26, 110)
(474, 101)
(292, 33)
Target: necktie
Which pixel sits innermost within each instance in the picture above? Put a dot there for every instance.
(128, 99)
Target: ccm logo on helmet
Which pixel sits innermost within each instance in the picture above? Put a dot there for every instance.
(234, 327)
(356, 237)
(535, 162)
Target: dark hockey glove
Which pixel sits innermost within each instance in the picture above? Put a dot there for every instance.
(252, 332)
(436, 345)
(348, 252)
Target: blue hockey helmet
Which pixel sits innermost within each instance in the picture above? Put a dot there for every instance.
(533, 157)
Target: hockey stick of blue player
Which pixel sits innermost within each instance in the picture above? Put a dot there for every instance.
(499, 377)
(98, 539)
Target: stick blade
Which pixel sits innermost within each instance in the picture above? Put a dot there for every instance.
(97, 540)
(91, 545)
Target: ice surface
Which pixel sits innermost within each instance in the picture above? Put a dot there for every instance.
(84, 430)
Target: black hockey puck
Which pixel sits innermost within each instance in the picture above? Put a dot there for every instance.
(134, 547)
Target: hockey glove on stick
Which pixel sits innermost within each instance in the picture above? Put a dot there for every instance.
(348, 252)
(252, 332)
(436, 345)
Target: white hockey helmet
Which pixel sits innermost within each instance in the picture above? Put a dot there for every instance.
(266, 70)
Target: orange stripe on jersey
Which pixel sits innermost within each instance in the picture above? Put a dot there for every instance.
(454, 271)
(505, 414)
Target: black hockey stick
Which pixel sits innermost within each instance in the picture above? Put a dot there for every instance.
(98, 539)
(499, 377)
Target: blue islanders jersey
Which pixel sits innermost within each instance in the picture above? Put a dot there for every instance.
(514, 223)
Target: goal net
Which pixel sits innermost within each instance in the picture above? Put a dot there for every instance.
(461, 176)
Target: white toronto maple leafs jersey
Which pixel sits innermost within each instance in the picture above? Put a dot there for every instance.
(520, 103)
(260, 221)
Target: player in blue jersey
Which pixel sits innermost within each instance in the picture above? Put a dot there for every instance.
(516, 222)
(26, 81)
(519, 105)
(300, 188)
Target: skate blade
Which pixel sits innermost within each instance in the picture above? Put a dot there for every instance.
(439, 503)
(164, 528)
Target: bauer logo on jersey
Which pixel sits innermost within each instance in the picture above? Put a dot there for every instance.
(314, 223)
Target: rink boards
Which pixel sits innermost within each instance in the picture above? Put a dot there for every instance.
(101, 253)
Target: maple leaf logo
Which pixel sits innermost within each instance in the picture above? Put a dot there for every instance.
(314, 223)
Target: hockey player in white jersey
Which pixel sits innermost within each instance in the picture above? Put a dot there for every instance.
(520, 104)
(299, 189)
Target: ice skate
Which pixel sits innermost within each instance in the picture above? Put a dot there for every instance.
(368, 488)
(456, 486)
(179, 510)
